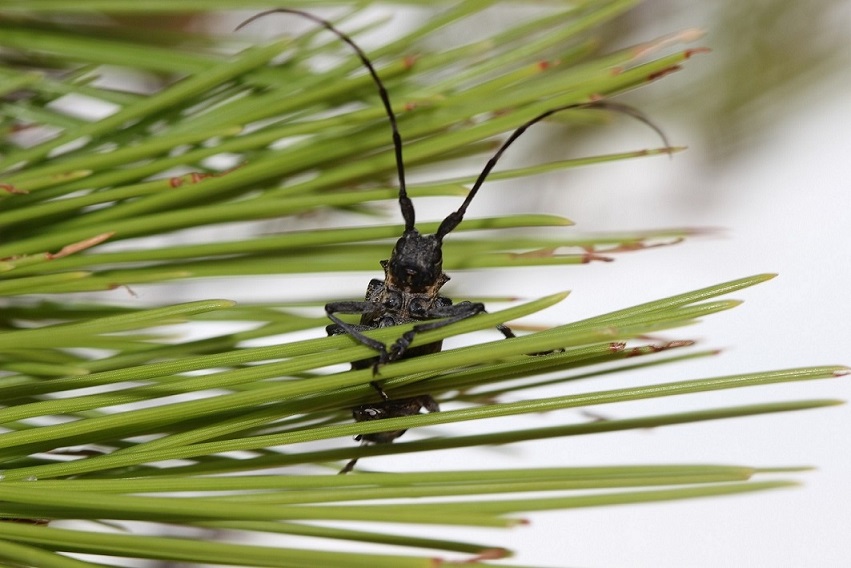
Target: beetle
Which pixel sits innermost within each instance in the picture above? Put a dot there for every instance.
(413, 275)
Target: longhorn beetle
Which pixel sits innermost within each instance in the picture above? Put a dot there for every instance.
(413, 275)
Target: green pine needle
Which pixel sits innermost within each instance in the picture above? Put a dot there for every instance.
(101, 398)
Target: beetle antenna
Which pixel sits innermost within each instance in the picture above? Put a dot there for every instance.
(405, 203)
(454, 218)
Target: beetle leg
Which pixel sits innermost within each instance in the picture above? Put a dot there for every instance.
(451, 314)
(354, 330)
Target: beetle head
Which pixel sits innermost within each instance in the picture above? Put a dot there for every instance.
(416, 264)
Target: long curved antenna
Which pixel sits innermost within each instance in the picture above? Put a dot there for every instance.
(404, 201)
(453, 219)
